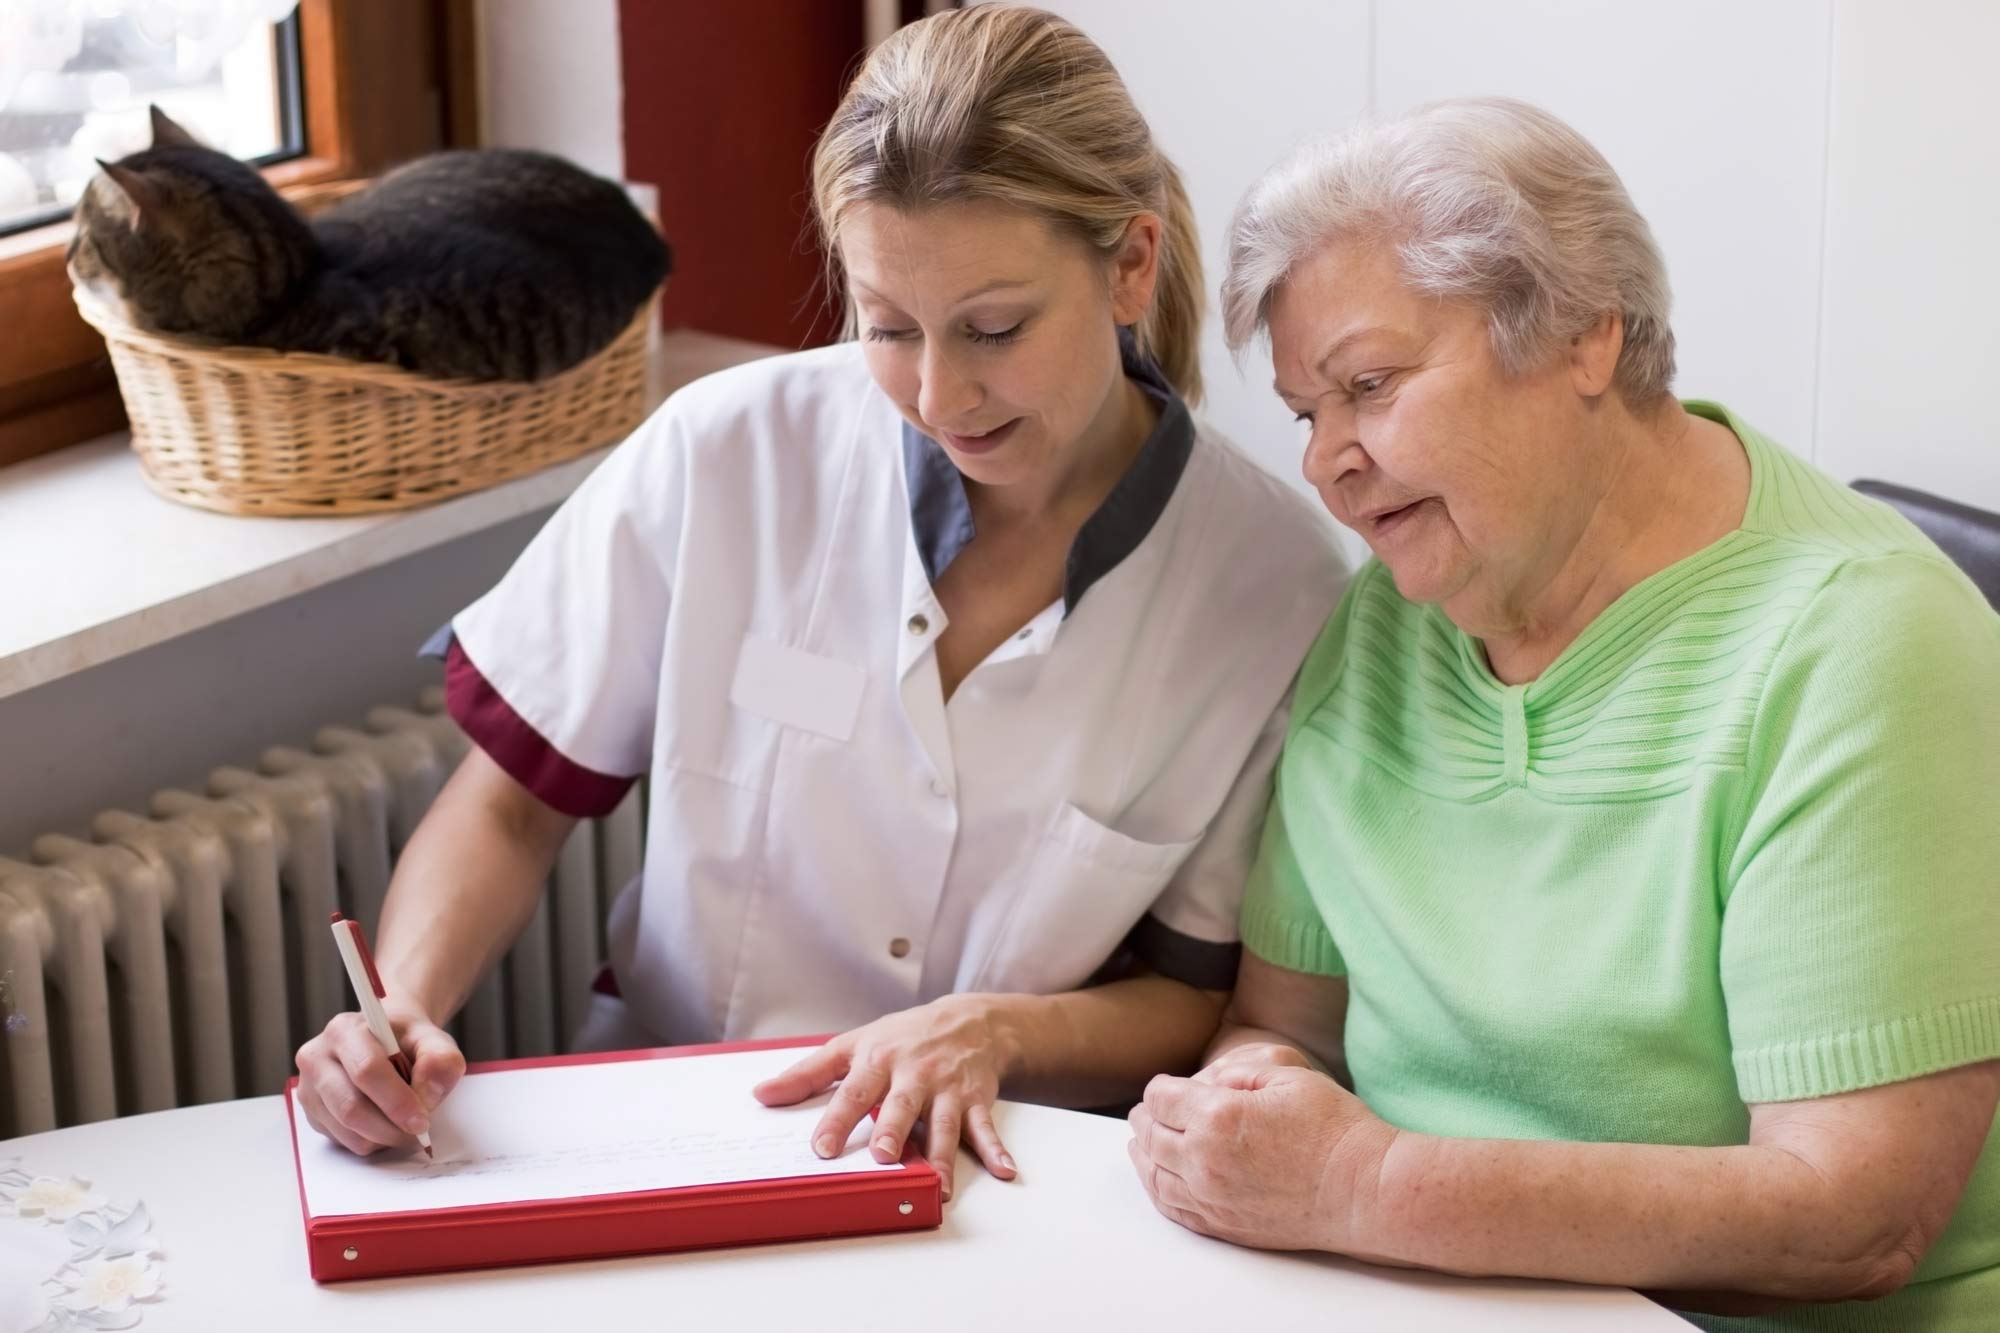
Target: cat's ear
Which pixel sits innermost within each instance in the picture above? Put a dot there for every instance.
(141, 193)
(168, 134)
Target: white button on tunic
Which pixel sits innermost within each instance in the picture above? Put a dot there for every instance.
(739, 603)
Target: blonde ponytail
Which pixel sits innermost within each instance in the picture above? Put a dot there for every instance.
(1171, 331)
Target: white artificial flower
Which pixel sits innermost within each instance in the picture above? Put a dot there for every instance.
(110, 1285)
(22, 1305)
(56, 1200)
(31, 1253)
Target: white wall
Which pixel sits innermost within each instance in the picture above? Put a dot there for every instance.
(1823, 175)
(550, 78)
(1910, 320)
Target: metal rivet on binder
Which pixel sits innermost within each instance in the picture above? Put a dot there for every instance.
(350, 1254)
(905, 1208)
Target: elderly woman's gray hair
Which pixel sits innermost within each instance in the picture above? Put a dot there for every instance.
(1487, 201)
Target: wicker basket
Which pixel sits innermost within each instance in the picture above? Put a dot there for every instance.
(246, 430)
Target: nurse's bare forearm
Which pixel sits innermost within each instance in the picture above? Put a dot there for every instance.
(1233, 1036)
(1098, 1047)
(466, 885)
(1303, 1010)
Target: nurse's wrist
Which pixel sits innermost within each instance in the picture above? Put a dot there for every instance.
(1008, 1023)
(417, 985)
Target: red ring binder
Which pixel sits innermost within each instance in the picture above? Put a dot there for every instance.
(596, 1226)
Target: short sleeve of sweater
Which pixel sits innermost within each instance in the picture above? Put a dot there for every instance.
(1861, 929)
(1281, 923)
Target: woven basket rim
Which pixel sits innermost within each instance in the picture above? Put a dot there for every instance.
(319, 365)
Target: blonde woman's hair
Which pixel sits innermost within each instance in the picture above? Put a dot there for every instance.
(1014, 105)
(1485, 200)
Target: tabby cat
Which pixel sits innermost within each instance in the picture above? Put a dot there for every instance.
(483, 264)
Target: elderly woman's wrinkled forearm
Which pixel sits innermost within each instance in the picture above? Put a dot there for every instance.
(1833, 1199)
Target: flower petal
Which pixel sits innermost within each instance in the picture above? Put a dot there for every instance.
(87, 1234)
(127, 1233)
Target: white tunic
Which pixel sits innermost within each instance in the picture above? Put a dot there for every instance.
(737, 604)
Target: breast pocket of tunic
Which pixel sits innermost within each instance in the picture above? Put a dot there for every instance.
(739, 711)
(797, 688)
(1084, 889)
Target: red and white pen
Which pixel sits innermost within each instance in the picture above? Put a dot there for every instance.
(367, 984)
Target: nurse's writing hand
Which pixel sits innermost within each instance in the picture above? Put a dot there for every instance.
(351, 1093)
(941, 1062)
(1276, 1156)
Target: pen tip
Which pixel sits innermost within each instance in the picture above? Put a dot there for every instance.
(428, 1153)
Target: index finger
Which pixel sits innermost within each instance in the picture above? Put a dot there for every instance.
(816, 1073)
(1241, 1075)
(1171, 1101)
(861, 1089)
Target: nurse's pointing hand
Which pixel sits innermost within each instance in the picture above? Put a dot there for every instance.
(940, 1063)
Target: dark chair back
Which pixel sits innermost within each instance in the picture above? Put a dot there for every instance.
(1971, 537)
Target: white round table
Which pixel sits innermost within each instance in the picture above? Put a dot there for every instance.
(1072, 1244)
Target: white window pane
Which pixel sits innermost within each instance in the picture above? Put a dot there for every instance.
(76, 79)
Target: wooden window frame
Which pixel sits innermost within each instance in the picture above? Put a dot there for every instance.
(383, 81)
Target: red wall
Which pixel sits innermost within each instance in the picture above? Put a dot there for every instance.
(723, 101)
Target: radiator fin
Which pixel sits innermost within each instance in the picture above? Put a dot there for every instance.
(181, 956)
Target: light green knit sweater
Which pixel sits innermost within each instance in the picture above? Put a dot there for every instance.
(1739, 843)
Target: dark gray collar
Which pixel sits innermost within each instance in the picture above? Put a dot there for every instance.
(941, 517)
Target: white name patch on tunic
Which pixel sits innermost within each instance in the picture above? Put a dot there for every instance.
(799, 689)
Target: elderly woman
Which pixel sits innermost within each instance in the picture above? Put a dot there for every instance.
(1634, 850)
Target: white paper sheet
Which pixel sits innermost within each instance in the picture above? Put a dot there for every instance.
(557, 1133)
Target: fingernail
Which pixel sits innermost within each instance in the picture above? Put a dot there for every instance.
(416, 1124)
(824, 1145)
(885, 1144)
(1006, 1161)
(429, 1094)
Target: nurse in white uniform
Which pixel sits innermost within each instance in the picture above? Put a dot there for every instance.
(957, 654)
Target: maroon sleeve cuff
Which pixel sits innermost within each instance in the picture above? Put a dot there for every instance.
(557, 781)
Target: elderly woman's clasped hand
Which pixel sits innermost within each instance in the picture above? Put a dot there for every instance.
(1262, 1149)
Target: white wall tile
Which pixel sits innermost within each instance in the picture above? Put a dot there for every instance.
(1911, 352)
(1713, 112)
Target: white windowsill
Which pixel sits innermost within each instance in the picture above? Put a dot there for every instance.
(93, 565)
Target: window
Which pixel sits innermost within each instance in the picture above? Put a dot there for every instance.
(229, 77)
(277, 85)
